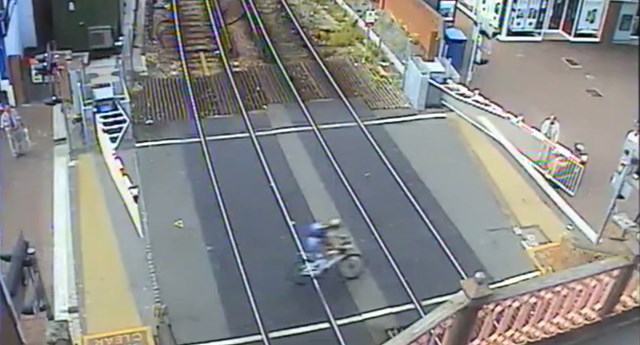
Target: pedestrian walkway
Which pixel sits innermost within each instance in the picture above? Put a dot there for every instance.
(25, 202)
(108, 303)
(532, 79)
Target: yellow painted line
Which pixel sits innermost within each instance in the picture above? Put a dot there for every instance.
(524, 205)
(108, 303)
(532, 255)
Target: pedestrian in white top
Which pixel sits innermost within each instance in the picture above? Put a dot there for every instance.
(484, 48)
(16, 133)
(550, 128)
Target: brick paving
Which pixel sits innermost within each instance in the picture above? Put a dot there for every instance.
(26, 193)
(532, 79)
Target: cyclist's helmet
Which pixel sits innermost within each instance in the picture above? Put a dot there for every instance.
(315, 230)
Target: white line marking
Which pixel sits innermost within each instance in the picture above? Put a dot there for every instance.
(369, 315)
(295, 129)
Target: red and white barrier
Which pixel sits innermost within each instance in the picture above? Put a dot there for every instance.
(129, 192)
(475, 98)
(544, 153)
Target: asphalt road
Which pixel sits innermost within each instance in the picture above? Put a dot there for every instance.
(200, 280)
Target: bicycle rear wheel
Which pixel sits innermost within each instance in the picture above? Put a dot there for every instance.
(351, 266)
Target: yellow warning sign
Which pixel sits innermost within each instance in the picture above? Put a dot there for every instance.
(133, 336)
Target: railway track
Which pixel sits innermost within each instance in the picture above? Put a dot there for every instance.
(194, 107)
(305, 73)
(328, 78)
(162, 99)
(260, 85)
(358, 82)
(202, 50)
(213, 9)
(192, 103)
(258, 82)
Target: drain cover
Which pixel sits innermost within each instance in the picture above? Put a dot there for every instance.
(571, 62)
(594, 93)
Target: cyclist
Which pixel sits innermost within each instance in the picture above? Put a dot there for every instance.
(315, 237)
(317, 244)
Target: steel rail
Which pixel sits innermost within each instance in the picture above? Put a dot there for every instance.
(212, 175)
(403, 186)
(263, 161)
(316, 130)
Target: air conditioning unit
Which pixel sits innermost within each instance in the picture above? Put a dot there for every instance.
(100, 37)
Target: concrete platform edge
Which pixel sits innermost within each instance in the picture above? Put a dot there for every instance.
(65, 290)
(564, 207)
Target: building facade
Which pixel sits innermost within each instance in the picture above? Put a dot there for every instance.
(18, 33)
(621, 23)
(538, 20)
(566, 20)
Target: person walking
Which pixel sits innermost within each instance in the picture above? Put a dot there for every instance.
(15, 132)
(484, 48)
(550, 128)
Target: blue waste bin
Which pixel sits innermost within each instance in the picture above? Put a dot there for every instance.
(455, 42)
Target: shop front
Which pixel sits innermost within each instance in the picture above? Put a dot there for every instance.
(626, 29)
(537, 20)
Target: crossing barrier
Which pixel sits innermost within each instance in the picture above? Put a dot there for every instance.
(559, 164)
(129, 191)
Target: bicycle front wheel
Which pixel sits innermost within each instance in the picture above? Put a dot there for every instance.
(351, 266)
(298, 275)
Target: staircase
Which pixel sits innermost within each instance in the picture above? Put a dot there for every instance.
(113, 123)
(110, 116)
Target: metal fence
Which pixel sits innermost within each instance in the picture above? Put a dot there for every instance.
(530, 311)
(389, 31)
(557, 163)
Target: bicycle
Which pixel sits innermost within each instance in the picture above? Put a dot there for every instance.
(340, 251)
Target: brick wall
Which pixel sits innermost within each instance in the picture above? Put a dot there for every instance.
(419, 19)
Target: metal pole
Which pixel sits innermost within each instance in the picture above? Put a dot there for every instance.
(474, 49)
(406, 62)
(613, 202)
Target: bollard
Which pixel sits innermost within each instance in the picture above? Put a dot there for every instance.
(477, 290)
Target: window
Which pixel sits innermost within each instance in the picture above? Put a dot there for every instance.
(625, 22)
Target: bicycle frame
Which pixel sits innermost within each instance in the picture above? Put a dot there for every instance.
(311, 269)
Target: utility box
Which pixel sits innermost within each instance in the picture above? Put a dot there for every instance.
(86, 25)
(438, 74)
(455, 44)
(417, 88)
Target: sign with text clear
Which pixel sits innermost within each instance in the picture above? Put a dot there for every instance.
(133, 336)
